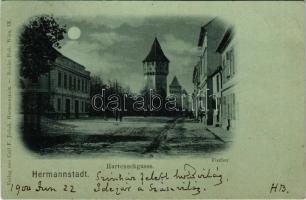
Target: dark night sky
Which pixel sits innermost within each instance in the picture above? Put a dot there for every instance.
(113, 47)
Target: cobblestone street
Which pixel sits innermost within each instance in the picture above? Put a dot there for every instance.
(143, 136)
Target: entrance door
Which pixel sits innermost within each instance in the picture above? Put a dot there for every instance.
(76, 108)
(67, 108)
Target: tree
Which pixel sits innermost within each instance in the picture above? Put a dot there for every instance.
(37, 42)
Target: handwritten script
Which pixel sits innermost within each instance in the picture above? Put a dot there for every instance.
(185, 179)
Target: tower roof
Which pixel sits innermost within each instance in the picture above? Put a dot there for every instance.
(174, 82)
(156, 53)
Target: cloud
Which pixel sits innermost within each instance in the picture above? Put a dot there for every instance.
(108, 39)
(178, 46)
(107, 65)
(111, 22)
(113, 47)
(183, 55)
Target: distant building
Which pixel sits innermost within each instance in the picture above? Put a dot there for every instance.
(210, 36)
(180, 94)
(226, 49)
(65, 90)
(156, 69)
(175, 90)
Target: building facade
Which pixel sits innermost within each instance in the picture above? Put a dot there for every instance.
(210, 36)
(227, 51)
(195, 95)
(216, 96)
(64, 90)
(156, 69)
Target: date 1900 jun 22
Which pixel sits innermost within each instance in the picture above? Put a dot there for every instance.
(17, 188)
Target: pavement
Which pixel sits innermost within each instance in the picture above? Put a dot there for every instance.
(151, 136)
(221, 133)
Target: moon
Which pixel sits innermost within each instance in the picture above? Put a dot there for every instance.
(74, 33)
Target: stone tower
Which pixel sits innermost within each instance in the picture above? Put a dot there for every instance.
(175, 87)
(176, 90)
(156, 69)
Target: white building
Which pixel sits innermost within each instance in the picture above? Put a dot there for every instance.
(64, 90)
(210, 36)
(229, 106)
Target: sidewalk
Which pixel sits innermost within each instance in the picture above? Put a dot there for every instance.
(223, 134)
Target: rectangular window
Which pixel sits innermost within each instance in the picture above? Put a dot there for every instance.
(79, 84)
(74, 83)
(201, 66)
(218, 83)
(228, 64)
(204, 62)
(82, 85)
(224, 109)
(223, 75)
(228, 111)
(70, 82)
(85, 86)
(233, 61)
(59, 103)
(59, 79)
(231, 106)
(227, 55)
(65, 80)
(228, 70)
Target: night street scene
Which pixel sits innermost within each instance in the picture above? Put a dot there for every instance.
(144, 87)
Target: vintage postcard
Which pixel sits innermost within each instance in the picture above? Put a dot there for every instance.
(152, 100)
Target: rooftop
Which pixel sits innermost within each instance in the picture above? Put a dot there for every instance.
(175, 82)
(203, 31)
(156, 53)
(227, 38)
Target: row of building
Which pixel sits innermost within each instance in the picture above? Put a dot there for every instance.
(214, 76)
(66, 88)
(64, 91)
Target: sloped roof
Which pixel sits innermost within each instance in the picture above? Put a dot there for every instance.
(227, 38)
(175, 82)
(202, 32)
(156, 53)
(59, 56)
